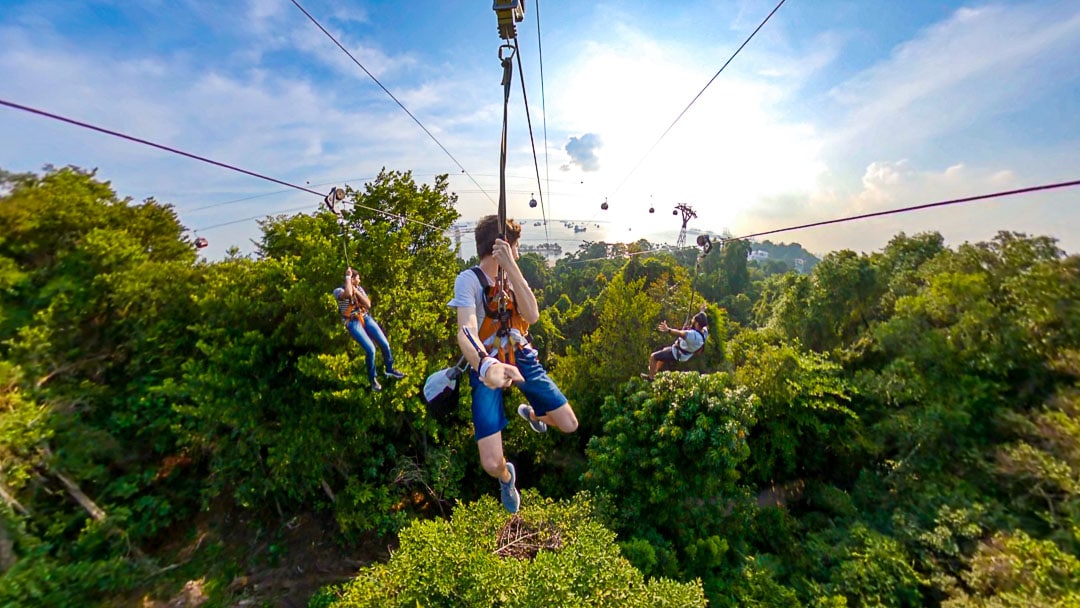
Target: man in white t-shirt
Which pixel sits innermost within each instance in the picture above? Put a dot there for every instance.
(689, 341)
(500, 353)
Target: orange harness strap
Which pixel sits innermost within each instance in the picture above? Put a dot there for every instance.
(501, 323)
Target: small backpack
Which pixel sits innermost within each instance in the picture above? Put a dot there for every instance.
(441, 390)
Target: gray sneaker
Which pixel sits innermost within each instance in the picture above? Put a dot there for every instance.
(526, 411)
(375, 386)
(510, 497)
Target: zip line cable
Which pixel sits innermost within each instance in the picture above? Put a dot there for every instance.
(543, 103)
(696, 97)
(532, 141)
(387, 91)
(145, 142)
(955, 201)
(151, 144)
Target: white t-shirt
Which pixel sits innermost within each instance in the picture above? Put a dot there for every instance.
(687, 346)
(469, 292)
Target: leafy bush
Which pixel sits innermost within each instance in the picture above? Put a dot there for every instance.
(457, 563)
(1013, 569)
(669, 455)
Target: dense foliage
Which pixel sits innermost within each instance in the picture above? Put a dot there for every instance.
(465, 561)
(887, 429)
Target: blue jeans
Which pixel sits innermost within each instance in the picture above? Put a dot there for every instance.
(365, 334)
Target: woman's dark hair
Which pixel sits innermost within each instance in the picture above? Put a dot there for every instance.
(487, 230)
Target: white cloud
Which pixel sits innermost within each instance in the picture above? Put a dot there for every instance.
(583, 151)
(725, 152)
(978, 63)
(350, 14)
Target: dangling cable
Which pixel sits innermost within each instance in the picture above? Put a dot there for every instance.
(690, 310)
(335, 196)
(344, 246)
(705, 243)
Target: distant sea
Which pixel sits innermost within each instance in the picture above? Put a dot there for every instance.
(570, 236)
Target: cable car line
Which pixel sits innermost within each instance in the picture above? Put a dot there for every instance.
(532, 140)
(543, 101)
(204, 159)
(387, 91)
(248, 219)
(702, 91)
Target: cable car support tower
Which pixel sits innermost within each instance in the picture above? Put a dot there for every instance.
(687, 214)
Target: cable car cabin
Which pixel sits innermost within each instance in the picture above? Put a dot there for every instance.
(604, 205)
(201, 242)
(652, 210)
(532, 203)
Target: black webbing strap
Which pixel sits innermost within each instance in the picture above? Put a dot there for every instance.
(507, 78)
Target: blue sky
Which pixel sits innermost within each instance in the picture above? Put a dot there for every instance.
(837, 107)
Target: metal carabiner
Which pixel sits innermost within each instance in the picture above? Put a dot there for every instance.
(512, 48)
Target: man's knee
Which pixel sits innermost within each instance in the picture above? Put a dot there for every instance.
(492, 463)
(565, 419)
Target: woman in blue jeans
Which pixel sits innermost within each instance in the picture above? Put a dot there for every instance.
(353, 306)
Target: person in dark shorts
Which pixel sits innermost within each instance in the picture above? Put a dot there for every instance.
(688, 342)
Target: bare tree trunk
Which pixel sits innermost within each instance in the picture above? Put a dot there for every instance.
(87, 504)
(81, 498)
(326, 488)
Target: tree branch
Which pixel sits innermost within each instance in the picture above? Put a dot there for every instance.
(70, 366)
(12, 502)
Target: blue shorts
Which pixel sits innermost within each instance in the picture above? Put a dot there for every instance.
(488, 412)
